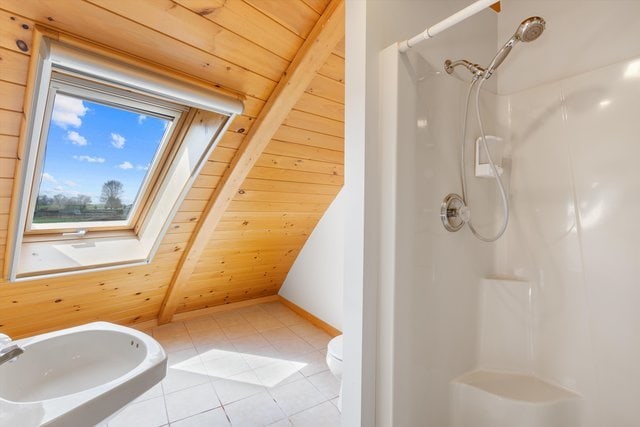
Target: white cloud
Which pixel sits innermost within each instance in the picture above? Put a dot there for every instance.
(68, 111)
(141, 119)
(143, 167)
(72, 183)
(117, 140)
(49, 178)
(89, 159)
(125, 165)
(76, 138)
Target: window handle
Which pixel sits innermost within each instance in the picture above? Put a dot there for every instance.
(78, 233)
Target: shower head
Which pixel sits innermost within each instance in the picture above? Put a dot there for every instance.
(529, 30)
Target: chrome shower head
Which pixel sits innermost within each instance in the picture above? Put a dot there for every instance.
(529, 30)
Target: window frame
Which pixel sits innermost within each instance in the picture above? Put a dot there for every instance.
(205, 115)
(113, 96)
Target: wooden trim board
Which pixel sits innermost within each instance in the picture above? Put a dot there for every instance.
(204, 311)
(316, 321)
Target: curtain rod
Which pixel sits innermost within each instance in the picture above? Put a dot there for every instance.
(457, 17)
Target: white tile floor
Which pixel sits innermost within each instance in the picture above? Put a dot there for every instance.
(261, 365)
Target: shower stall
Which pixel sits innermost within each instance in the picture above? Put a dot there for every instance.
(542, 326)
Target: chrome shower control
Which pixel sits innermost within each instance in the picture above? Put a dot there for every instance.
(454, 213)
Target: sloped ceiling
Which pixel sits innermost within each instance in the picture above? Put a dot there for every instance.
(241, 45)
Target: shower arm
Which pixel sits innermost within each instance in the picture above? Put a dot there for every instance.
(452, 20)
(476, 69)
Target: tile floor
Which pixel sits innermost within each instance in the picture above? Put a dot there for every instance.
(261, 365)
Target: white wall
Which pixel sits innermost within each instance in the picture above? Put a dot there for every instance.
(426, 278)
(359, 379)
(581, 35)
(574, 133)
(315, 281)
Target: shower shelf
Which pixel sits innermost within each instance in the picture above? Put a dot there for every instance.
(500, 399)
(501, 391)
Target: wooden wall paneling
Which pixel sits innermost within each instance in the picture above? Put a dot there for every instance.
(16, 32)
(214, 168)
(276, 207)
(5, 202)
(11, 96)
(183, 24)
(250, 258)
(227, 298)
(276, 174)
(202, 290)
(206, 181)
(74, 300)
(6, 187)
(242, 206)
(296, 16)
(7, 166)
(223, 154)
(244, 19)
(40, 312)
(333, 68)
(303, 151)
(317, 5)
(117, 32)
(8, 147)
(241, 124)
(267, 235)
(270, 196)
(248, 272)
(232, 140)
(339, 50)
(289, 187)
(307, 137)
(305, 165)
(181, 228)
(327, 88)
(186, 217)
(312, 55)
(323, 107)
(216, 246)
(10, 122)
(13, 66)
(302, 120)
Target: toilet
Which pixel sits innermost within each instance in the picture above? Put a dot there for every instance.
(334, 361)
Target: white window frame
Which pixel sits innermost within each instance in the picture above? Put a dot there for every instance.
(135, 243)
(111, 96)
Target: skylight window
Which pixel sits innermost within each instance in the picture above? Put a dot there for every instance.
(98, 157)
(109, 152)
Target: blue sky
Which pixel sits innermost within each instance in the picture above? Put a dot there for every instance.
(90, 143)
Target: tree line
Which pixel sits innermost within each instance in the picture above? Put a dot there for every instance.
(111, 195)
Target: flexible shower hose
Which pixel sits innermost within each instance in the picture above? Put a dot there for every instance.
(463, 174)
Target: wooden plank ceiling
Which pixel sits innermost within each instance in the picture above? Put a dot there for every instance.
(241, 45)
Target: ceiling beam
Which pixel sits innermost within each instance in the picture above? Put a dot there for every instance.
(314, 52)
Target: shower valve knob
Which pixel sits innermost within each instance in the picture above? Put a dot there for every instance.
(454, 213)
(464, 213)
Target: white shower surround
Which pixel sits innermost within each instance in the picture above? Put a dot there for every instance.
(569, 105)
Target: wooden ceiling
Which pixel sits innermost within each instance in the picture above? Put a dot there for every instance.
(263, 190)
